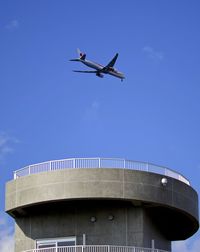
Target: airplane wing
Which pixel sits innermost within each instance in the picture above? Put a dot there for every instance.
(112, 62)
(78, 71)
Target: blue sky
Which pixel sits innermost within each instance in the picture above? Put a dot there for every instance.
(49, 112)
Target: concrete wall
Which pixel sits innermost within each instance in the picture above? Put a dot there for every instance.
(154, 211)
(130, 226)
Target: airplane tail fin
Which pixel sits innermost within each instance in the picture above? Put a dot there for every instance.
(81, 55)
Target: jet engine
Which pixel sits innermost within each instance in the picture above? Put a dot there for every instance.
(100, 75)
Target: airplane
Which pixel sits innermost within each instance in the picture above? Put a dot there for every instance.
(99, 69)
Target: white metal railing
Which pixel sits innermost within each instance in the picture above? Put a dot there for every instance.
(97, 163)
(96, 248)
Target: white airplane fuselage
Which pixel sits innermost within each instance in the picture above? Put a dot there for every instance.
(92, 64)
(99, 67)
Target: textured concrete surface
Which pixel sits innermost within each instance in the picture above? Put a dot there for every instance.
(131, 225)
(153, 211)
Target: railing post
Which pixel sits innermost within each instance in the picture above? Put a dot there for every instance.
(147, 166)
(29, 170)
(99, 163)
(108, 248)
(15, 175)
(73, 162)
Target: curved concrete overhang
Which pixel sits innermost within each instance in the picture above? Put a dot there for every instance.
(174, 207)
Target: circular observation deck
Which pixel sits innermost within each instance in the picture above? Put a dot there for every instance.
(173, 205)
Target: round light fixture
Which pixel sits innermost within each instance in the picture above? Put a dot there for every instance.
(110, 217)
(164, 181)
(93, 219)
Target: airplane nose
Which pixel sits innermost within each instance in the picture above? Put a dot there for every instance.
(122, 75)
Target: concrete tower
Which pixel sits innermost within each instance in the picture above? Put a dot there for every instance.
(80, 205)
